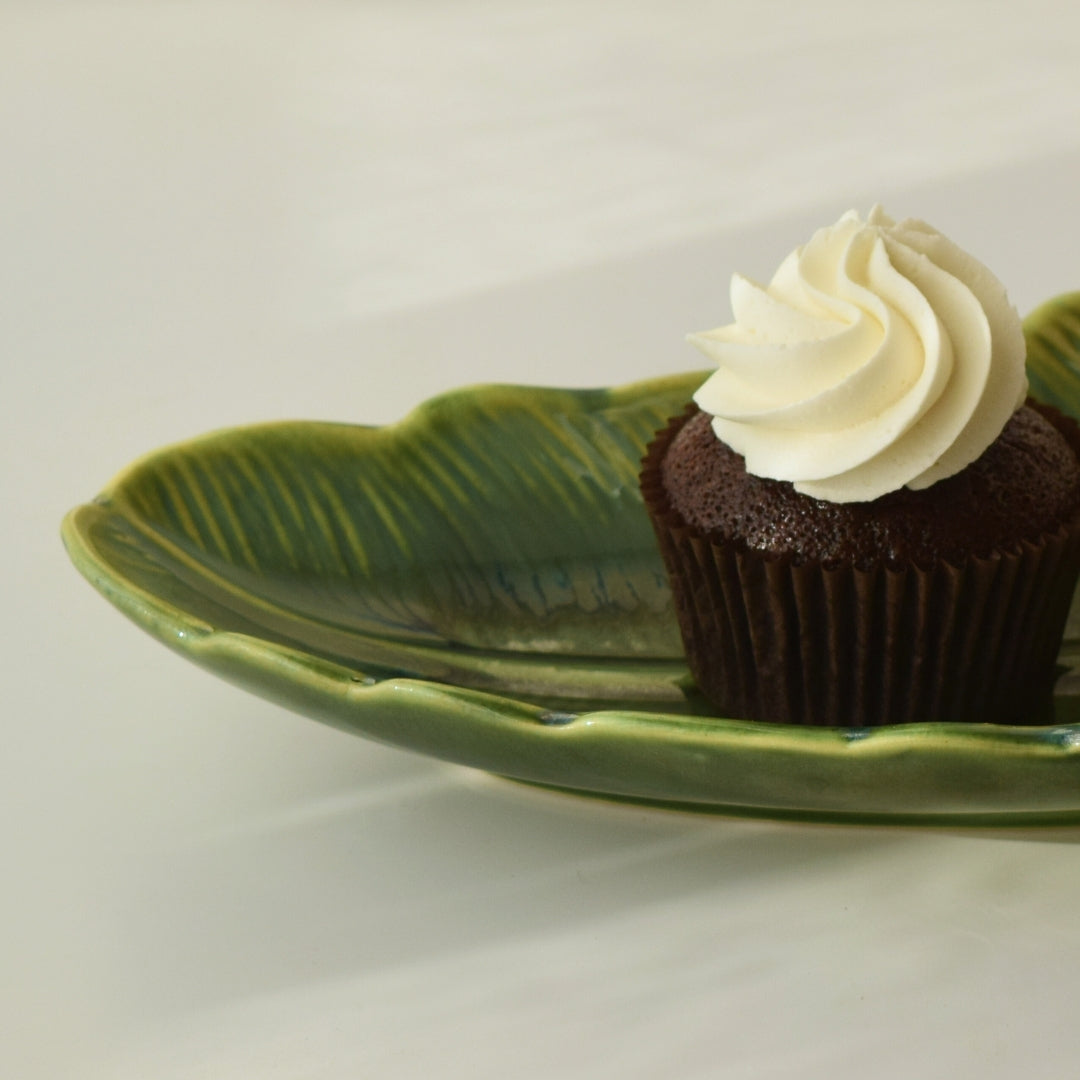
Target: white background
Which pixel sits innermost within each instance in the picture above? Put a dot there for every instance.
(212, 214)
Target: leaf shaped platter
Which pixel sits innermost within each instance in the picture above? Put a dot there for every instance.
(479, 582)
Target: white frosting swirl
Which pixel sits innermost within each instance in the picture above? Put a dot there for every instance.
(879, 356)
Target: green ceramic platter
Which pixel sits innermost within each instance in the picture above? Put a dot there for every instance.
(479, 582)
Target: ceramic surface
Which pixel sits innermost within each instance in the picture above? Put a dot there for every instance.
(480, 582)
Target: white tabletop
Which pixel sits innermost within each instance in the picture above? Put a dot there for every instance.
(215, 213)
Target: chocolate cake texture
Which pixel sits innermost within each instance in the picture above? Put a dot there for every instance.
(944, 604)
(1025, 484)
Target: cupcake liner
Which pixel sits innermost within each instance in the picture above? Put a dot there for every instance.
(768, 638)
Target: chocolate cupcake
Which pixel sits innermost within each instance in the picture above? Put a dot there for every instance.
(861, 523)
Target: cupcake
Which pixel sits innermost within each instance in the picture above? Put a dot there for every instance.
(862, 521)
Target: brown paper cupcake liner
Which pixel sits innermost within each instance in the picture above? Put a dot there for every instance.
(768, 638)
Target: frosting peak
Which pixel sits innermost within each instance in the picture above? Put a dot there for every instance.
(879, 356)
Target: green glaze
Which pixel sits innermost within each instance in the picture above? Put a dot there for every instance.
(480, 582)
